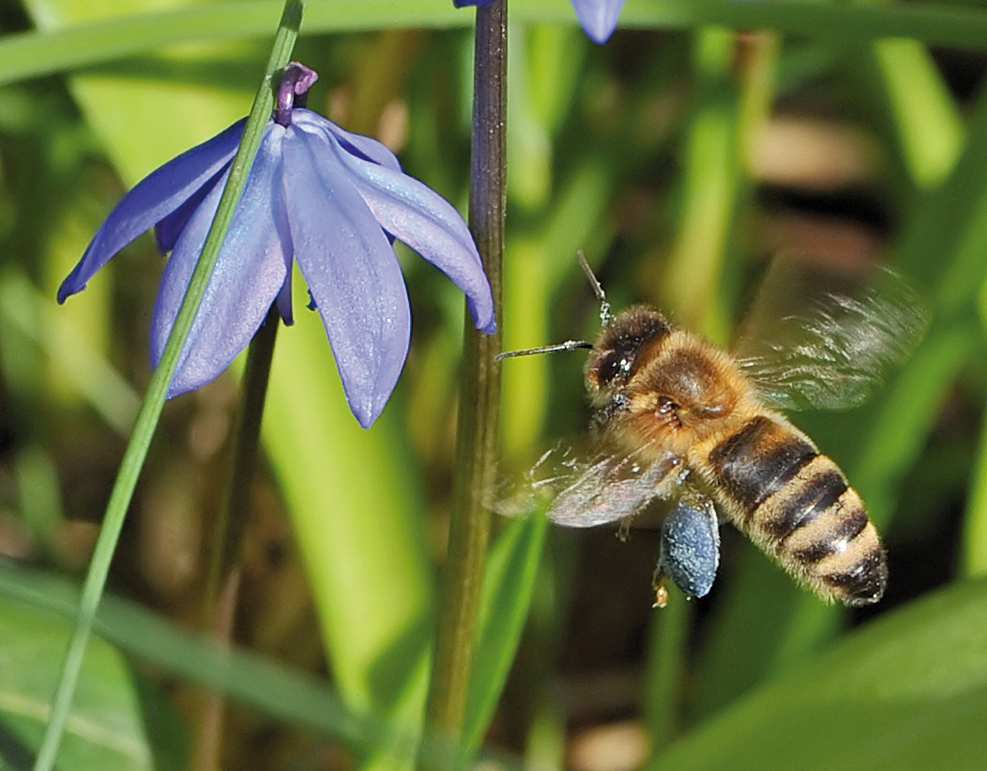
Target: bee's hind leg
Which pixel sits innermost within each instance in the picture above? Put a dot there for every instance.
(689, 552)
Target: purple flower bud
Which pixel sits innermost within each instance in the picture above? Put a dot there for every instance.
(333, 201)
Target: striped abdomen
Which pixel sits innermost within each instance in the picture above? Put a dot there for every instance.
(796, 505)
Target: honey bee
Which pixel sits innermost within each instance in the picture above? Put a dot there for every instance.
(683, 421)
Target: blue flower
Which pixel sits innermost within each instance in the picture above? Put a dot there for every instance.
(598, 17)
(317, 194)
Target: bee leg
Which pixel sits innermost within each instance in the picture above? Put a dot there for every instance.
(659, 587)
(624, 529)
(690, 546)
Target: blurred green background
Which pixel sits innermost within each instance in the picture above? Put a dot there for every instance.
(680, 159)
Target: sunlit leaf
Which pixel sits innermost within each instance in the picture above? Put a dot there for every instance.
(117, 720)
(512, 568)
(908, 691)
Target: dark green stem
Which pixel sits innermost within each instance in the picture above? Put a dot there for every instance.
(228, 533)
(225, 562)
(157, 391)
(479, 402)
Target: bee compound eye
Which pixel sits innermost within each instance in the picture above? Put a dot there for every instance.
(690, 547)
(613, 364)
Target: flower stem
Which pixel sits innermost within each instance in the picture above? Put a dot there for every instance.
(157, 392)
(225, 562)
(479, 401)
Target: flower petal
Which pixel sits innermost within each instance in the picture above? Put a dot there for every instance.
(153, 199)
(249, 273)
(598, 17)
(284, 298)
(357, 144)
(352, 273)
(429, 224)
(167, 231)
(284, 231)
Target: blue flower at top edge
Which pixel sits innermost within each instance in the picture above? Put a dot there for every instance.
(598, 17)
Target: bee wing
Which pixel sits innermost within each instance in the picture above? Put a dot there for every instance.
(613, 487)
(813, 340)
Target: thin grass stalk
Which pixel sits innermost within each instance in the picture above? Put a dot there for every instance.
(157, 392)
(226, 557)
(479, 402)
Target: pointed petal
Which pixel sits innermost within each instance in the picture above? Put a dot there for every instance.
(352, 273)
(598, 17)
(248, 275)
(429, 224)
(284, 299)
(167, 231)
(153, 199)
(284, 233)
(357, 144)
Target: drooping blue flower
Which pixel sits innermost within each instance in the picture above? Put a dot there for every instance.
(598, 17)
(331, 200)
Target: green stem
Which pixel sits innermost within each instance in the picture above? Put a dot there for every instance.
(228, 534)
(157, 392)
(479, 402)
(666, 670)
(225, 561)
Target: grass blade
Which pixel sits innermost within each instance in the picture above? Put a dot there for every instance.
(25, 55)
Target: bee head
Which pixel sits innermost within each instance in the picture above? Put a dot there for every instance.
(618, 352)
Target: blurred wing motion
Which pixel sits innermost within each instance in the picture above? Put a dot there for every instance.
(580, 492)
(814, 341)
(613, 488)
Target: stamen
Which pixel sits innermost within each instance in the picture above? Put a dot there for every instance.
(296, 80)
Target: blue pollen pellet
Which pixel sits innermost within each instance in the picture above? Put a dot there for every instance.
(690, 548)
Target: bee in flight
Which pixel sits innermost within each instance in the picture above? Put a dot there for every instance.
(679, 420)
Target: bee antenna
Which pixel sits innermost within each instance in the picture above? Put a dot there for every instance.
(568, 345)
(605, 315)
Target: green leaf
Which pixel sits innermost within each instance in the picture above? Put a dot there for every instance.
(28, 55)
(38, 320)
(143, 113)
(512, 568)
(292, 696)
(975, 526)
(924, 118)
(116, 721)
(906, 692)
(297, 698)
(356, 510)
